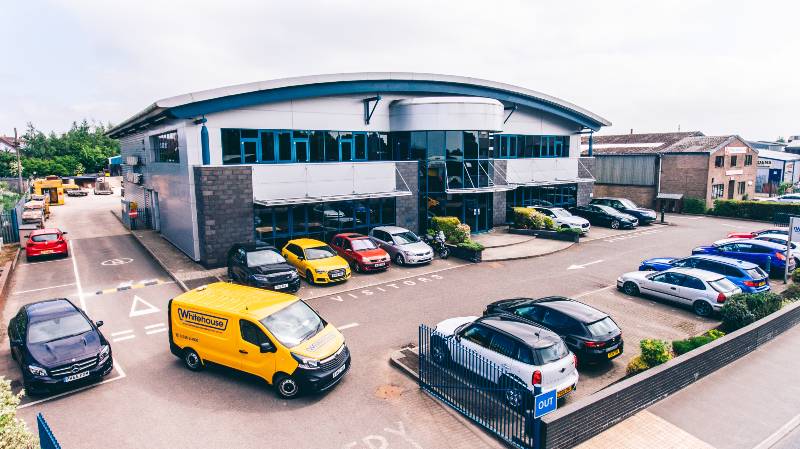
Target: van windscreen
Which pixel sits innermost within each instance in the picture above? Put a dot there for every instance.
(294, 324)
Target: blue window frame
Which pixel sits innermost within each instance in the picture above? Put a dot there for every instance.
(509, 146)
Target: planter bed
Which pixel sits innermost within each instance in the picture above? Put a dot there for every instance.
(465, 254)
(547, 234)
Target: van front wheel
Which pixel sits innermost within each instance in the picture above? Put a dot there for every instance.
(286, 387)
(192, 360)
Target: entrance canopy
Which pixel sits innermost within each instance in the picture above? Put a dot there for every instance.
(330, 198)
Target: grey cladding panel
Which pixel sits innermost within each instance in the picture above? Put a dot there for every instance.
(627, 170)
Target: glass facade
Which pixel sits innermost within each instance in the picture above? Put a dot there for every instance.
(563, 195)
(278, 224)
(512, 146)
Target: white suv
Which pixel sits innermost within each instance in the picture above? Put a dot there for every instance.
(522, 350)
(563, 219)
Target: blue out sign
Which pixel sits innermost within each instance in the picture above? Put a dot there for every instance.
(544, 403)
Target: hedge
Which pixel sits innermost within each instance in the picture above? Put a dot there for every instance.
(694, 206)
(743, 309)
(530, 218)
(454, 231)
(683, 346)
(754, 210)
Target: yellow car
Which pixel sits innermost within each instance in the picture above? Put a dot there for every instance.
(316, 261)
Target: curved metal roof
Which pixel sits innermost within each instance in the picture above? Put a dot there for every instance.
(215, 100)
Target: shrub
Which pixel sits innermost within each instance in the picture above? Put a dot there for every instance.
(569, 231)
(743, 309)
(792, 292)
(528, 218)
(654, 352)
(754, 210)
(13, 431)
(683, 346)
(548, 222)
(471, 245)
(796, 276)
(454, 231)
(715, 334)
(636, 366)
(694, 206)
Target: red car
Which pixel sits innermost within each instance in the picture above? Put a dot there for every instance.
(360, 252)
(46, 242)
(754, 234)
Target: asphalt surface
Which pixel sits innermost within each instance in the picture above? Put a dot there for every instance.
(151, 400)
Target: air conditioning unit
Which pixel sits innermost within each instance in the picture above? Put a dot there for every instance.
(132, 160)
(134, 178)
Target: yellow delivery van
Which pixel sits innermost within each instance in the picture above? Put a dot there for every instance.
(272, 335)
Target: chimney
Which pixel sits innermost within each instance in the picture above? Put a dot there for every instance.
(631, 131)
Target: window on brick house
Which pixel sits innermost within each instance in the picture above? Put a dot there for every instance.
(734, 161)
(717, 190)
(740, 188)
(748, 159)
(719, 161)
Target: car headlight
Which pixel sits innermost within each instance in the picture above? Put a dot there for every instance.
(320, 270)
(408, 253)
(260, 277)
(37, 370)
(105, 350)
(306, 362)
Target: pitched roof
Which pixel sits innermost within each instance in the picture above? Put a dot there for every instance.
(659, 143)
(9, 141)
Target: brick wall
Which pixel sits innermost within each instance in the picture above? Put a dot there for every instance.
(407, 207)
(591, 415)
(585, 190)
(224, 210)
(644, 196)
(725, 174)
(586, 167)
(686, 174)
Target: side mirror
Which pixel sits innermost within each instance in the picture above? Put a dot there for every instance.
(458, 337)
(64, 233)
(301, 258)
(98, 323)
(267, 347)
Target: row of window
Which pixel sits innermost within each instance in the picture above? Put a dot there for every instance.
(556, 196)
(517, 146)
(718, 190)
(719, 161)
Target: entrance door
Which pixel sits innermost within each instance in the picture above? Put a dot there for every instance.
(477, 212)
(731, 187)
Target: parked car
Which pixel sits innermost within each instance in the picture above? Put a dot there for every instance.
(705, 292)
(317, 262)
(626, 206)
(361, 252)
(77, 192)
(780, 239)
(605, 216)
(788, 198)
(563, 219)
(590, 334)
(102, 187)
(261, 265)
(750, 235)
(530, 353)
(57, 345)
(771, 257)
(746, 275)
(46, 242)
(403, 246)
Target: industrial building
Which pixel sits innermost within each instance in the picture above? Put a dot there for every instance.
(313, 156)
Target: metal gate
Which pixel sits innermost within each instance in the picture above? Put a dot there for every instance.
(9, 230)
(476, 387)
(46, 438)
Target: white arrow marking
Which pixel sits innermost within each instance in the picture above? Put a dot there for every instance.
(578, 267)
(148, 308)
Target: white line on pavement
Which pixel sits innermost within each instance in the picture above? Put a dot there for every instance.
(126, 337)
(580, 295)
(67, 393)
(128, 331)
(43, 288)
(155, 331)
(154, 325)
(77, 276)
(347, 326)
(779, 434)
(729, 225)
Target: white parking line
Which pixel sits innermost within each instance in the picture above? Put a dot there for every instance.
(40, 289)
(127, 331)
(154, 325)
(77, 276)
(126, 337)
(155, 331)
(580, 295)
(67, 393)
(347, 326)
(780, 433)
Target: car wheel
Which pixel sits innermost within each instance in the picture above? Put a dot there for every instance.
(513, 395)
(192, 360)
(702, 308)
(630, 289)
(399, 259)
(230, 274)
(439, 352)
(615, 224)
(286, 387)
(309, 277)
(357, 267)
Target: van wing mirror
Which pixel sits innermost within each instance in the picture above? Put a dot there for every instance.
(267, 347)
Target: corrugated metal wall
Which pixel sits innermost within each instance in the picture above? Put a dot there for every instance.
(634, 170)
(133, 145)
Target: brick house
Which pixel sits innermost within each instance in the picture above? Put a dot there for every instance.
(657, 168)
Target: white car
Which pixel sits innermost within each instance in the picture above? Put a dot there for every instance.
(564, 219)
(788, 198)
(521, 349)
(705, 292)
(780, 239)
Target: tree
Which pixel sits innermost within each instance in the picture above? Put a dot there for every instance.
(14, 433)
(85, 145)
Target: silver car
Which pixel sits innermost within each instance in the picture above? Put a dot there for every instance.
(402, 245)
(704, 291)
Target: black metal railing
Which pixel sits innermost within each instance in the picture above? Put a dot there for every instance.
(482, 391)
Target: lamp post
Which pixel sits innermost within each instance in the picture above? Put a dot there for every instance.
(19, 164)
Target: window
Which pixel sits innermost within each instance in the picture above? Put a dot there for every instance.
(522, 146)
(165, 147)
(734, 160)
(251, 333)
(719, 161)
(694, 283)
(294, 324)
(717, 190)
(478, 334)
(748, 160)
(504, 345)
(231, 147)
(740, 188)
(669, 278)
(554, 320)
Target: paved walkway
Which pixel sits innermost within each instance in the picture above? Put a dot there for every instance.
(500, 245)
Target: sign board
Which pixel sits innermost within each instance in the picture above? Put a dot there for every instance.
(794, 229)
(735, 150)
(764, 163)
(544, 403)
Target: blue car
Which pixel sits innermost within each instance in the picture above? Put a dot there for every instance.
(771, 257)
(746, 275)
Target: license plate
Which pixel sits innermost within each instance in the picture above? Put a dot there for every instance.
(47, 251)
(761, 284)
(339, 371)
(564, 391)
(76, 376)
(379, 265)
(281, 286)
(613, 353)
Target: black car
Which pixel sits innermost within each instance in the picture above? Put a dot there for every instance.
(261, 265)
(605, 216)
(57, 345)
(626, 206)
(589, 333)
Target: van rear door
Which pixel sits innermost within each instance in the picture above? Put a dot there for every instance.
(249, 340)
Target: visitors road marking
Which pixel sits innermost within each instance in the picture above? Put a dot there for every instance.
(154, 326)
(578, 267)
(347, 326)
(41, 289)
(117, 366)
(123, 338)
(396, 285)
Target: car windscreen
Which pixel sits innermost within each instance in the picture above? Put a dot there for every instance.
(264, 257)
(602, 328)
(560, 212)
(722, 285)
(404, 238)
(319, 252)
(58, 327)
(606, 209)
(552, 353)
(363, 245)
(755, 273)
(628, 203)
(294, 324)
(39, 238)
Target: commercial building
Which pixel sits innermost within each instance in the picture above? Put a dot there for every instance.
(317, 155)
(660, 169)
(775, 168)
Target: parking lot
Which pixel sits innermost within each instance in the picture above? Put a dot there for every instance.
(375, 406)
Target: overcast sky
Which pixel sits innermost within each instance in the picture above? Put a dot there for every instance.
(720, 67)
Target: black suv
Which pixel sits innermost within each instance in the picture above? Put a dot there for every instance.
(261, 265)
(626, 206)
(57, 345)
(589, 333)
